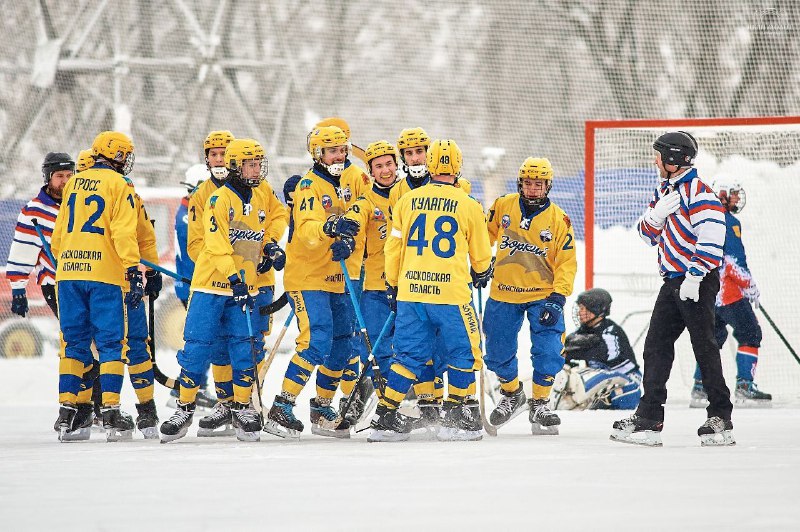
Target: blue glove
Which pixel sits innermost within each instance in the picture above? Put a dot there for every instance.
(341, 226)
(391, 295)
(343, 248)
(274, 257)
(481, 280)
(19, 302)
(552, 310)
(136, 293)
(241, 296)
(153, 285)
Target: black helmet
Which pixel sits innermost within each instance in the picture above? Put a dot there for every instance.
(55, 161)
(678, 148)
(596, 300)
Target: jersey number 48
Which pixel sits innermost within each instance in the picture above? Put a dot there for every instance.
(443, 243)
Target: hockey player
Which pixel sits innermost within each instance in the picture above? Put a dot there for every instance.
(318, 239)
(737, 292)
(234, 222)
(85, 160)
(687, 223)
(370, 211)
(95, 244)
(534, 274)
(601, 369)
(184, 265)
(27, 254)
(434, 229)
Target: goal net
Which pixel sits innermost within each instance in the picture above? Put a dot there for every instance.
(760, 154)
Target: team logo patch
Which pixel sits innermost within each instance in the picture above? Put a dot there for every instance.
(379, 215)
(567, 221)
(247, 209)
(231, 214)
(525, 223)
(327, 202)
(213, 201)
(262, 216)
(305, 184)
(344, 193)
(546, 235)
(505, 221)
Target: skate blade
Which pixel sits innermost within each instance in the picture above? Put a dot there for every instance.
(149, 433)
(520, 410)
(722, 439)
(752, 403)
(166, 438)
(698, 403)
(114, 435)
(387, 436)
(227, 430)
(329, 433)
(542, 430)
(81, 434)
(648, 438)
(243, 435)
(454, 434)
(271, 427)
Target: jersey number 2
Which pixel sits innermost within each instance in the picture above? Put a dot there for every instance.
(416, 236)
(88, 226)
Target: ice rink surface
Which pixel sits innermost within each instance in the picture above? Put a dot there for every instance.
(576, 481)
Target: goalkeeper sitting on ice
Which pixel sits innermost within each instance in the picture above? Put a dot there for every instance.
(600, 370)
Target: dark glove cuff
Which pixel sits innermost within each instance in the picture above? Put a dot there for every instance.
(555, 297)
(234, 280)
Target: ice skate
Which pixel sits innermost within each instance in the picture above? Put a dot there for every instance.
(218, 422)
(699, 397)
(82, 424)
(429, 420)
(147, 420)
(543, 420)
(716, 432)
(388, 425)
(747, 395)
(117, 424)
(369, 410)
(246, 422)
(461, 422)
(281, 420)
(65, 421)
(510, 406)
(325, 421)
(178, 424)
(638, 430)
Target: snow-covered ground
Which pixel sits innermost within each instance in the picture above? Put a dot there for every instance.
(578, 480)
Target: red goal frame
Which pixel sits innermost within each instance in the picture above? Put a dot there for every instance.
(591, 126)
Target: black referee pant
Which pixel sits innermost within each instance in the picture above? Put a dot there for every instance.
(670, 317)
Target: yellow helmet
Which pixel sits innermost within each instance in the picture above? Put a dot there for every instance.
(327, 137)
(341, 123)
(240, 150)
(217, 139)
(377, 149)
(116, 148)
(535, 168)
(411, 138)
(85, 160)
(444, 158)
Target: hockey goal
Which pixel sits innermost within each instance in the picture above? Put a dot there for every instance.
(763, 155)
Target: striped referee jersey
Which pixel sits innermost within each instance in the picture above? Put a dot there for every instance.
(27, 254)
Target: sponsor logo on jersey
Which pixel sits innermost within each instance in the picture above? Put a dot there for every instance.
(521, 246)
(262, 216)
(305, 184)
(505, 221)
(247, 209)
(344, 193)
(235, 235)
(546, 235)
(327, 202)
(525, 223)
(379, 216)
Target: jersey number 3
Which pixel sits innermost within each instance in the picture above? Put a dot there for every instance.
(443, 243)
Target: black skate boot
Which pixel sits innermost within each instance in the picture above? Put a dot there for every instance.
(543, 420)
(325, 421)
(178, 424)
(716, 432)
(510, 406)
(118, 424)
(204, 400)
(218, 422)
(147, 420)
(748, 395)
(363, 394)
(246, 422)
(461, 421)
(388, 425)
(638, 430)
(82, 425)
(281, 420)
(66, 420)
(429, 420)
(699, 397)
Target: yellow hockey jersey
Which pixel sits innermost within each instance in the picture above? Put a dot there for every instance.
(535, 254)
(94, 238)
(434, 229)
(354, 184)
(309, 264)
(233, 240)
(404, 185)
(276, 223)
(372, 211)
(145, 233)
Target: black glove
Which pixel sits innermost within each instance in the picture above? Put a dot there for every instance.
(481, 280)
(342, 249)
(154, 284)
(19, 302)
(136, 293)
(552, 310)
(241, 296)
(274, 257)
(341, 226)
(391, 295)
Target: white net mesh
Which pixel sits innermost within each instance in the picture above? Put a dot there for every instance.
(763, 159)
